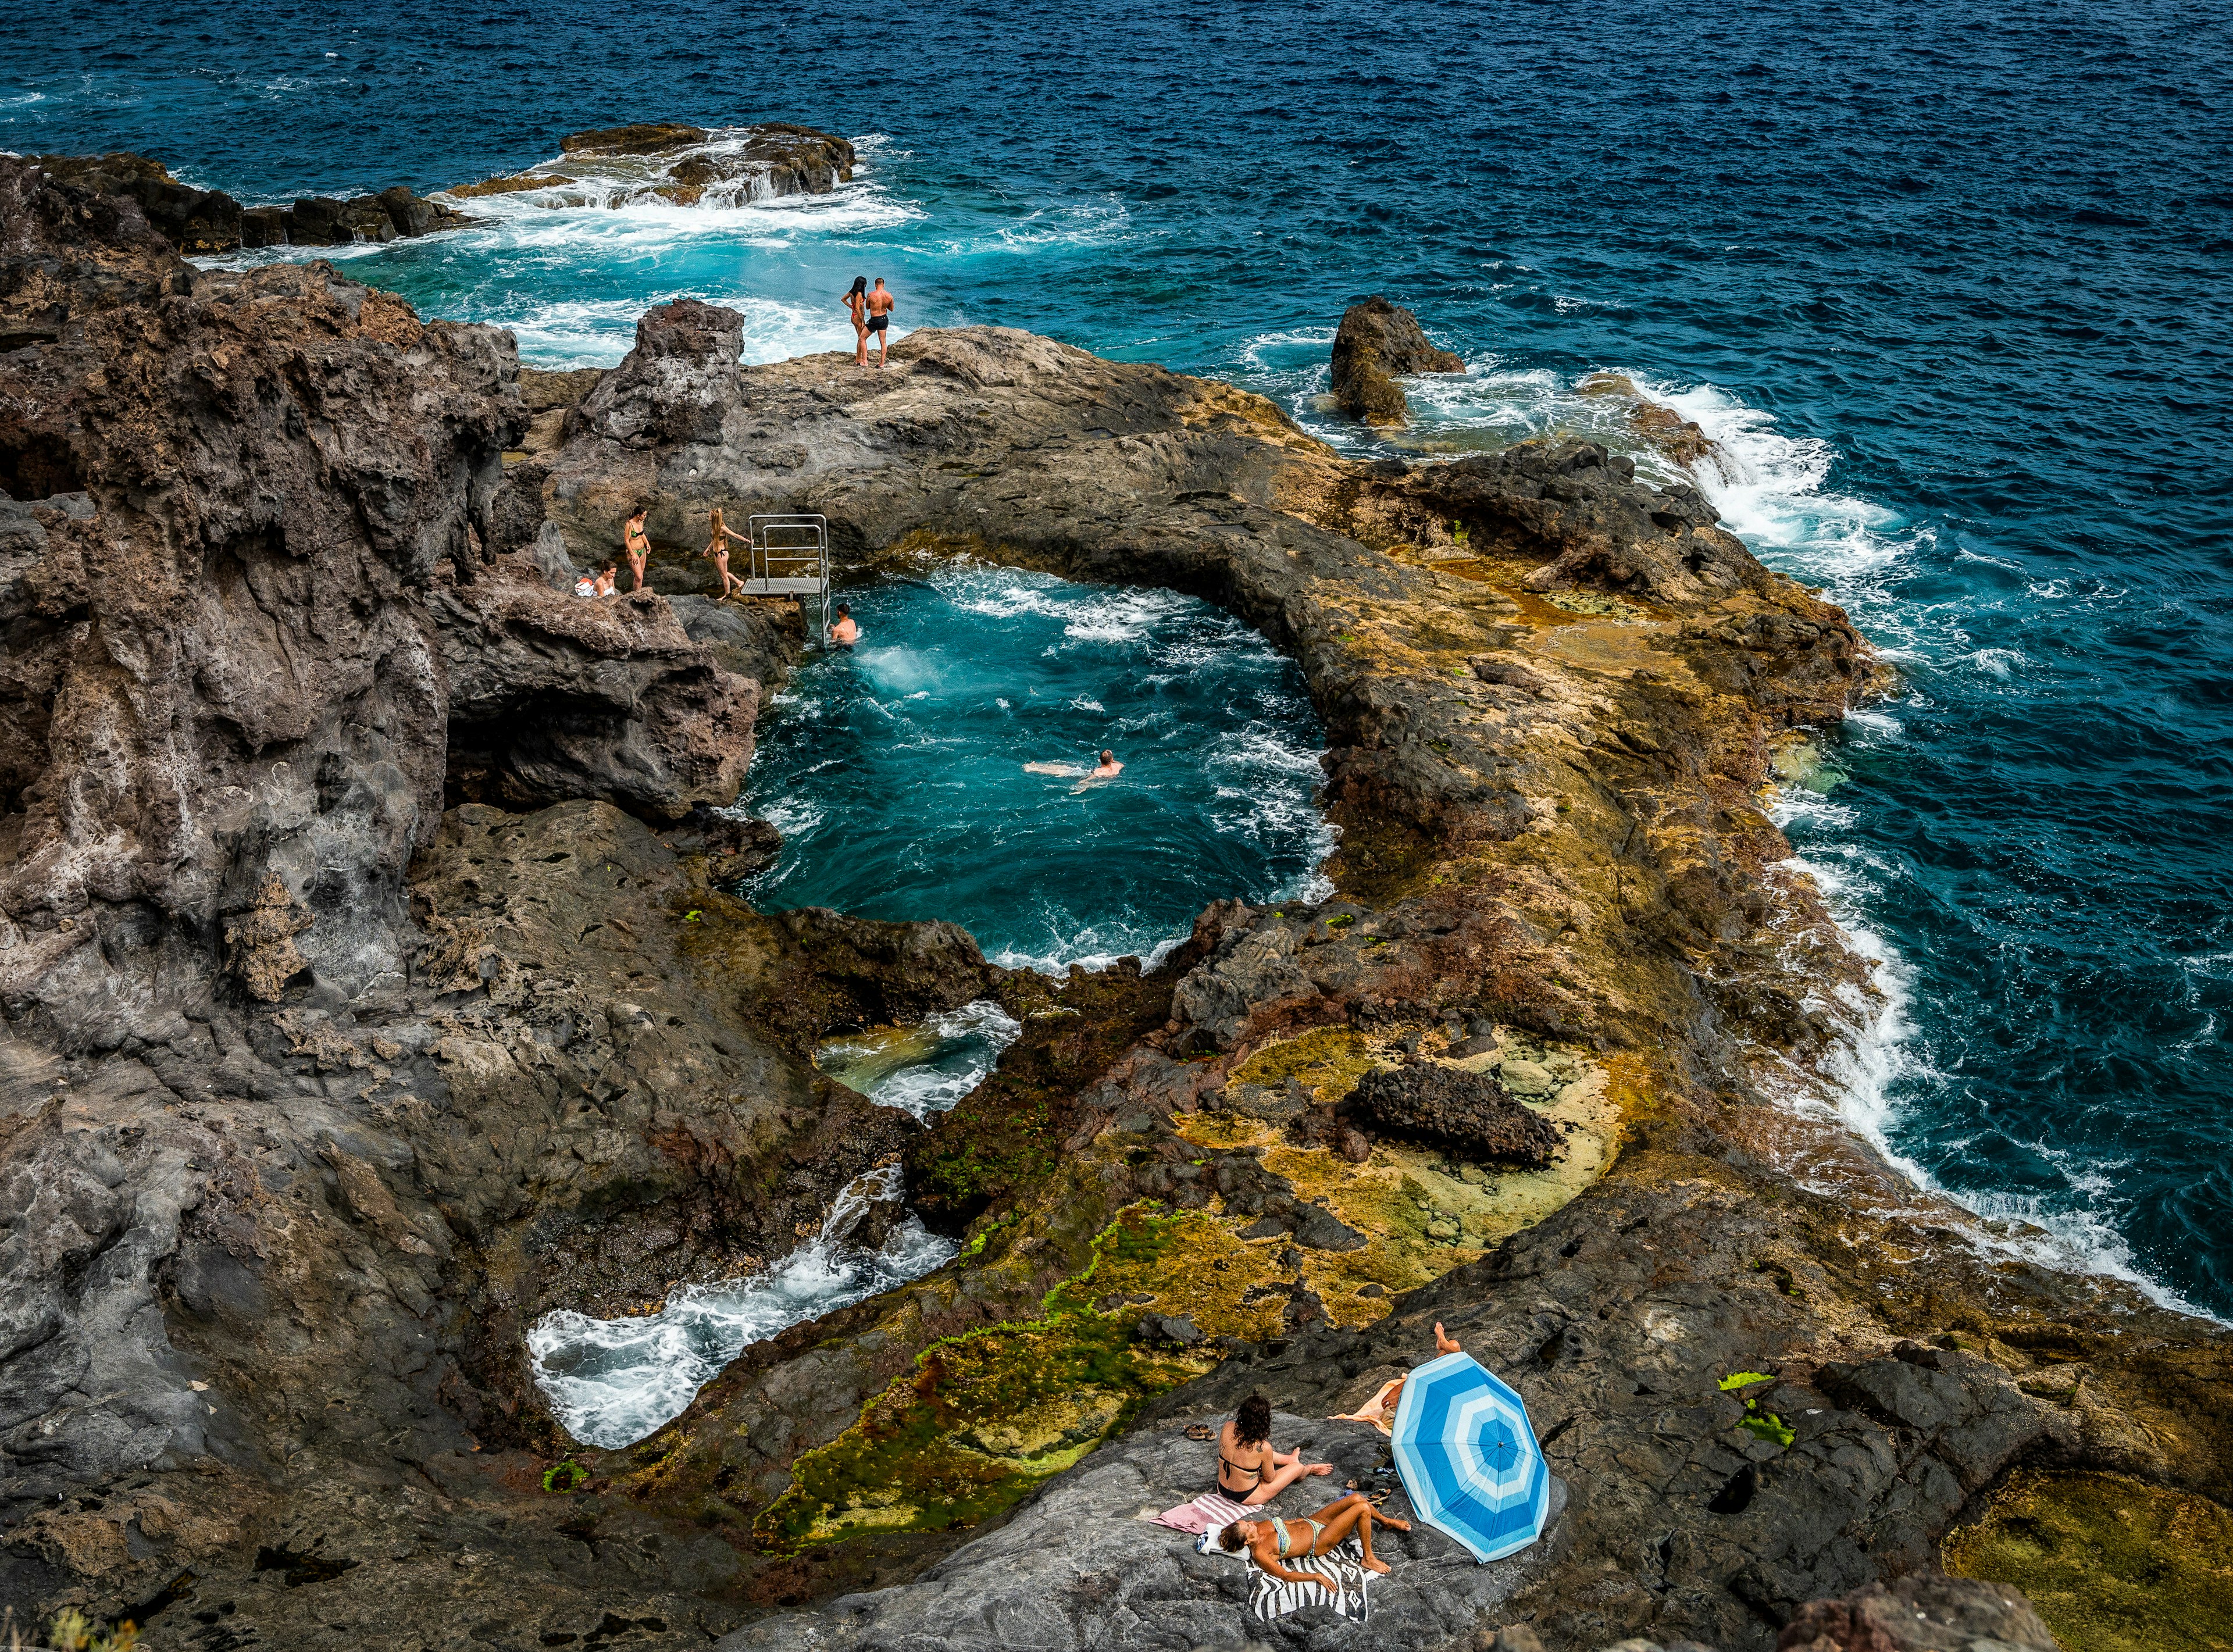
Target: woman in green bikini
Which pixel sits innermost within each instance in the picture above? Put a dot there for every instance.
(1275, 1541)
(635, 544)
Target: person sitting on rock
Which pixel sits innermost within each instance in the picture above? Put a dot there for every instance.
(1270, 1543)
(608, 580)
(635, 544)
(845, 633)
(1248, 1470)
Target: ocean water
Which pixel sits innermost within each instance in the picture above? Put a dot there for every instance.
(1953, 285)
(897, 772)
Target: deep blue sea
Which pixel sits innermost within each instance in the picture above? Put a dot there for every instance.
(1954, 284)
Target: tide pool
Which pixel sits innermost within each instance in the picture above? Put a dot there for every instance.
(897, 772)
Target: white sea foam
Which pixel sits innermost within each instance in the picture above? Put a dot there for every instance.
(927, 1069)
(612, 1382)
(1770, 490)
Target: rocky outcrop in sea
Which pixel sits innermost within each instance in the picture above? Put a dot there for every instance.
(1377, 343)
(683, 165)
(208, 220)
(374, 984)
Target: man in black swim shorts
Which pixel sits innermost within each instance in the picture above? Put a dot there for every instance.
(880, 316)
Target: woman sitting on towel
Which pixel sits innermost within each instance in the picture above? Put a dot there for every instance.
(1248, 1470)
(1272, 1542)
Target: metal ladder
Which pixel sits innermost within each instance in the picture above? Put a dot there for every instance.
(790, 557)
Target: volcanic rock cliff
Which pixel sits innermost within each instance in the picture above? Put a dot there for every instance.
(371, 987)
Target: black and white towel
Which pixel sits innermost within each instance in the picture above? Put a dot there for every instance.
(1270, 1597)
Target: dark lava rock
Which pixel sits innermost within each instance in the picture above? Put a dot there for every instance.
(194, 220)
(680, 163)
(644, 138)
(1378, 340)
(1469, 1112)
(1167, 1331)
(1322, 1229)
(1924, 1611)
(1074, 1570)
(208, 220)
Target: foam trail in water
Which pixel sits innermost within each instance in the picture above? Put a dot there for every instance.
(612, 1382)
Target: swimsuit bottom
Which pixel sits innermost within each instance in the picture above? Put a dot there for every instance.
(877, 323)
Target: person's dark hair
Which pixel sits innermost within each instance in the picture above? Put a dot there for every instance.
(640, 511)
(844, 612)
(1230, 1539)
(860, 285)
(610, 568)
(1253, 1422)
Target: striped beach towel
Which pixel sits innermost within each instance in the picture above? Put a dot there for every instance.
(1270, 1597)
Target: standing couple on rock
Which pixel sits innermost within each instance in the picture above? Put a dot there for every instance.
(871, 311)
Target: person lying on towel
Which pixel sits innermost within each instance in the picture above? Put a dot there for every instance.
(1273, 1542)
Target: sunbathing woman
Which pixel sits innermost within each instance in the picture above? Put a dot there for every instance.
(1248, 1470)
(1380, 1410)
(1272, 1542)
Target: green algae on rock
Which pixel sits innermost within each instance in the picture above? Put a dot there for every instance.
(2111, 1564)
(985, 1416)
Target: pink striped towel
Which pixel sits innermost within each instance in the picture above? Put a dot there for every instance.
(1206, 1513)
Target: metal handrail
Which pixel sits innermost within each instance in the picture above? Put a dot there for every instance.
(793, 542)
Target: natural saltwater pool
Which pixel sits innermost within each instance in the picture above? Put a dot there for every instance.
(897, 774)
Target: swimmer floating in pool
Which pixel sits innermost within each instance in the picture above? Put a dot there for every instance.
(1109, 770)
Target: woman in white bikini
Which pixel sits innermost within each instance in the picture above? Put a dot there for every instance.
(1273, 1542)
(717, 552)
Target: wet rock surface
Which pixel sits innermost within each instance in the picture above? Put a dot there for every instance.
(685, 165)
(313, 1095)
(1377, 343)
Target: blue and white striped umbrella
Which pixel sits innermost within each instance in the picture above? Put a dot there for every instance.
(1468, 1457)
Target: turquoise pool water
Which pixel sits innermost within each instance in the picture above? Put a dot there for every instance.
(897, 772)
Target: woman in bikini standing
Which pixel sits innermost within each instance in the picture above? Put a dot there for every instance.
(857, 306)
(1248, 1470)
(717, 552)
(1273, 1542)
(635, 544)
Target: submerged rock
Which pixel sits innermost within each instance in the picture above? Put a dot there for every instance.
(1378, 342)
(1680, 438)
